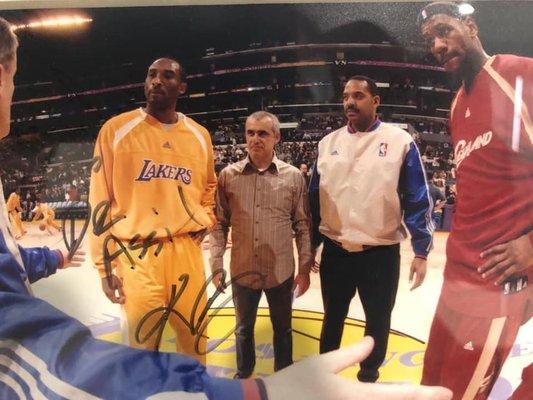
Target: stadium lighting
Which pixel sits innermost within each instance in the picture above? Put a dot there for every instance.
(466, 9)
(55, 22)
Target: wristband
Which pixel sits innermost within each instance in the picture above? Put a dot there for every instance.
(421, 257)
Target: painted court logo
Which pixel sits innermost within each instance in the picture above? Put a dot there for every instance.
(403, 362)
(151, 170)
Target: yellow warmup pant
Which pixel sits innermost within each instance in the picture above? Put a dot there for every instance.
(50, 221)
(16, 222)
(148, 286)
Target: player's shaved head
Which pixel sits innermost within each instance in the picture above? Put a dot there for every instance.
(162, 87)
(174, 64)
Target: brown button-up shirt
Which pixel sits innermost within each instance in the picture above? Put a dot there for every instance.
(263, 209)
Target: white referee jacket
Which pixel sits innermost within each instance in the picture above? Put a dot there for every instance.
(366, 185)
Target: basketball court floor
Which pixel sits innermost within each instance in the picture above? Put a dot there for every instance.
(77, 292)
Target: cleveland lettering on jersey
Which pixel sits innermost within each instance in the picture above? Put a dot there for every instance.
(151, 170)
(463, 149)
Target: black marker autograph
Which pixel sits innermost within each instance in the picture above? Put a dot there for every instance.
(197, 326)
(72, 243)
(135, 243)
(99, 218)
(102, 223)
(100, 226)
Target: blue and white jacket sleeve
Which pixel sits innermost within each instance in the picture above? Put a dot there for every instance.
(314, 205)
(39, 262)
(416, 202)
(49, 355)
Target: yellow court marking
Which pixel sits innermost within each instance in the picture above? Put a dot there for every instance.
(403, 362)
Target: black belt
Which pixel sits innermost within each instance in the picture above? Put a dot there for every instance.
(364, 247)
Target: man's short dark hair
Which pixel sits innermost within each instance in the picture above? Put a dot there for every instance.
(182, 72)
(372, 86)
(8, 43)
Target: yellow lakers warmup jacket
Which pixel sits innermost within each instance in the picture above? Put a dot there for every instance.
(149, 181)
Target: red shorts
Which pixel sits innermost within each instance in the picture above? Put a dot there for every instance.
(466, 354)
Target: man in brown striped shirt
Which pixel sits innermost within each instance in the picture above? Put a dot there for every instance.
(264, 200)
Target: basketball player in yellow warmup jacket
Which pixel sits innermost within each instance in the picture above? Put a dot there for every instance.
(14, 209)
(49, 216)
(152, 198)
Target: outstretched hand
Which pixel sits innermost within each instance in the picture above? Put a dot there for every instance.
(77, 259)
(315, 378)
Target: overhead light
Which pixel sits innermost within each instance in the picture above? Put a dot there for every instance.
(55, 22)
(466, 9)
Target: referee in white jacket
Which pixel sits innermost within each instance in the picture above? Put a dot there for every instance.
(367, 178)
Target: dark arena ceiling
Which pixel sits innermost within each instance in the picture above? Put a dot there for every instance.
(137, 35)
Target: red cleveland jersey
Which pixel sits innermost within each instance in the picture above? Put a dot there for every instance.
(494, 184)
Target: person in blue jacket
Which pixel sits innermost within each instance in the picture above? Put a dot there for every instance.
(46, 354)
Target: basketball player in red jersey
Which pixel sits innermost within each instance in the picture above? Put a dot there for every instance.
(485, 295)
